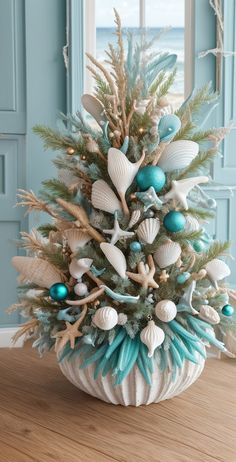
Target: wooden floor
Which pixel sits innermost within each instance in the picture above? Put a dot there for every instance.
(44, 418)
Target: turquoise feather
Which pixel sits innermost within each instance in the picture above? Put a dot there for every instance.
(176, 327)
(97, 355)
(122, 374)
(125, 353)
(144, 370)
(176, 358)
(144, 354)
(193, 323)
(116, 342)
(180, 346)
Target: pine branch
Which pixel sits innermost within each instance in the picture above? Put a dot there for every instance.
(199, 214)
(46, 229)
(30, 200)
(200, 97)
(185, 133)
(56, 189)
(54, 140)
(165, 87)
(216, 250)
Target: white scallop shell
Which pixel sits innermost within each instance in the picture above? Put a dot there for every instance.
(152, 336)
(103, 198)
(217, 270)
(148, 230)
(209, 314)
(115, 257)
(133, 391)
(166, 310)
(122, 172)
(191, 224)
(94, 107)
(167, 254)
(79, 267)
(76, 238)
(134, 218)
(178, 154)
(105, 318)
(37, 270)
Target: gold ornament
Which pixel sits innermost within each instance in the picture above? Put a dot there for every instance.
(70, 151)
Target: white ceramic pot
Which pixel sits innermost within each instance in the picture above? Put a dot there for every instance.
(133, 391)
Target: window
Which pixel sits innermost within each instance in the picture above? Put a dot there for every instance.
(135, 15)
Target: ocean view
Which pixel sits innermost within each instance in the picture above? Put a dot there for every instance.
(171, 41)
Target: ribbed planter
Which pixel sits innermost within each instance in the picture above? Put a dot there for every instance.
(133, 391)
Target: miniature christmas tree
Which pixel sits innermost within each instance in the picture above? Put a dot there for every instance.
(125, 274)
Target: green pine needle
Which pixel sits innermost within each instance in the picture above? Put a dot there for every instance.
(216, 250)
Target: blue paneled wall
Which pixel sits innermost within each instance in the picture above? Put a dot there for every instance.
(32, 90)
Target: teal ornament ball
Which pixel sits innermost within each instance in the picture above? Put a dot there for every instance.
(174, 221)
(183, 277)
(135, 246)
(58, 291)
(199, 246)
(227, 310)
(151, 175)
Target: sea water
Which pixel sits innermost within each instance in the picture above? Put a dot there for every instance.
(171, 41)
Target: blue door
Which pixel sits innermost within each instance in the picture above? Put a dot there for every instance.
(32, 90)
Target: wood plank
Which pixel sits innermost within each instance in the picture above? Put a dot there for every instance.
(198, 425)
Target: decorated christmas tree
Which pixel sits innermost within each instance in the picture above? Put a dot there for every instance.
(124, 277)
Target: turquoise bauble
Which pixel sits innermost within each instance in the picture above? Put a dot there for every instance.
(199, 246)
(174, 221)
(183, 277)
(135, 246)
(151, 175)
(58, 291)
(227, 310)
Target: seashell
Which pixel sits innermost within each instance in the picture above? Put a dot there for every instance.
(178, 154)
(168, 126)
(76, 238)
(209, 314)
(37, 270)
(134, 218)
(152, 336)
(181, 188)
(167, 254)
(141, 106)
(93, 106)
(122, 172)
(115, 257)
(166, 310)
(105, 318)
(103, 198)
(191, 224)
(79, 267)
(148, 230)
(217, 270)
(81, 289)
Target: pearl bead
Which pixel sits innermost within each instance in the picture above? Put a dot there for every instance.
(80, 289)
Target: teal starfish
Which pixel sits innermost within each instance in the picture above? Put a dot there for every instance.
(149, 199)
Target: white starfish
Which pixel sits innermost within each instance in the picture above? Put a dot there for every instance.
(180, 189)
(117, 233)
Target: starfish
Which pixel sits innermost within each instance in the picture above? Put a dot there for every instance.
(149, 199)
(185, 303)
(70, 333)
(164, 276)
(180, 189)
(145, 274)
(117, 233)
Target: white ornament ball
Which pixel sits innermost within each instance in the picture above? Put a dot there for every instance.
(105, 318)
(152, 336)
(166, 310)
(81, 289)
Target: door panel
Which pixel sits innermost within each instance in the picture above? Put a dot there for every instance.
(12, 58)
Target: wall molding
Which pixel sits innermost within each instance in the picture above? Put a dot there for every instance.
(6, 334)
